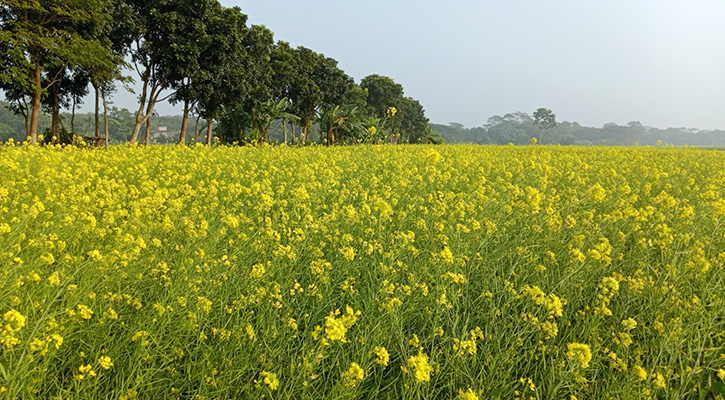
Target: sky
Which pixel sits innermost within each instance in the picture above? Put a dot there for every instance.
(660, 62)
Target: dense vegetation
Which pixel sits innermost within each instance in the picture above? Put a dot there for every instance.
(197, 54)
(517, 128)
(397, 272)
(520, 128)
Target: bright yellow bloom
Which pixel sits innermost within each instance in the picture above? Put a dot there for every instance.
(204, 304)
(659, 380)
(270, 379)
(258, 270)
(456, 278)
(465, 346)
(640, 372)
(468, 394)
(598, 193)
(420, 366)
(14, 321)
(84, 311)
(414, 341)
(54, 279)
(48, 259)
(85, 371)
(141, 337)
(349, 253)
(581, 353)
(105, 362)
(353, 375)
(447, 255)
(629, 324)
(335, 329)
(383, 356)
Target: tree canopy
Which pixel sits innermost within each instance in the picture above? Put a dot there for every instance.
(198, 54)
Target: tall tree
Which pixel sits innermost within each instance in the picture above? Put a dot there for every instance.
(284, 70)
(413, 123)
(256, 79)
(149, 29)
(78, 90)
(382, 93)
(304, 93)
(36, 35)
(184, 62)
(545, 119)
(235, 68)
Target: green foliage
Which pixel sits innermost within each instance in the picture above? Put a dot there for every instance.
(39, 41)
(268, 112)
(544, 118)
(414, 123)
(341, 125)
(382, 93)
(198, 53)
(233, 125)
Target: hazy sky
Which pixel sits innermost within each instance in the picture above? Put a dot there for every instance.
(661, 62)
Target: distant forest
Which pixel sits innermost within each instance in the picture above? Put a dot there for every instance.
(518, 128)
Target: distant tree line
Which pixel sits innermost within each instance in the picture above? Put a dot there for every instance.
(520, 128)
(230, 76)
(517, 128)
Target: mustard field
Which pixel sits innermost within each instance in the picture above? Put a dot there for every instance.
(370, 272)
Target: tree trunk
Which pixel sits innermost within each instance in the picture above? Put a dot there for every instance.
(73, 118)
(55, 119)
(304, 131)
(98, 124)
(36, 107)
(184, 122)
(105, 115)
(208, 133)
(284, 130)
(148, 132)
(196, 130)
(140, 117)
(149, 112)
(23, 108)
(266, 133)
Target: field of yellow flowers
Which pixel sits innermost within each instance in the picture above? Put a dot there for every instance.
(386, 272)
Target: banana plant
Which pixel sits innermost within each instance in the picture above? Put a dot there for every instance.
(270, 111)
(340, 123)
